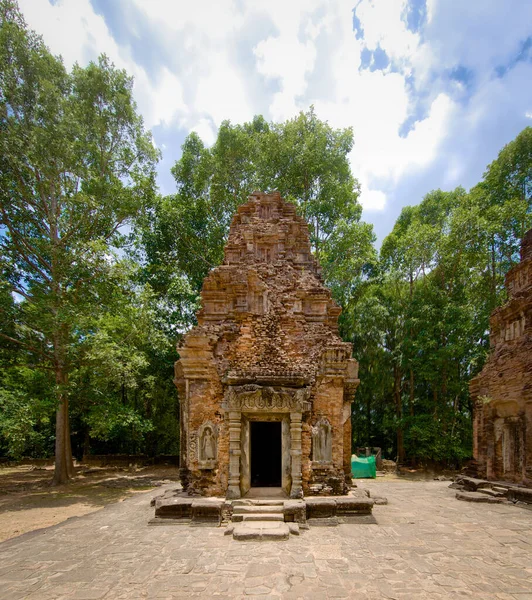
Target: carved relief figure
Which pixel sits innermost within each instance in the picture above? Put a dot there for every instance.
(207, 446)
(322, 441)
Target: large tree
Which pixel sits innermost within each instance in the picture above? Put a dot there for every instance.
(76, 166)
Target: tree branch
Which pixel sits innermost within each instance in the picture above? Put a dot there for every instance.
(25, 345)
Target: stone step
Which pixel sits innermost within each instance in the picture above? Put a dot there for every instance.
(238, 518)
(478, 497)
(252, 502)
(263, 517)
(261, 531)
(264, 509)
(490, 492)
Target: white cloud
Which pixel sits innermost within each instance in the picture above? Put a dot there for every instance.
(372, 200)
(285, 58)
(72, 29)
(230, 59)
(221, 93)
(383, 25)
(205, 130)
(167, 98)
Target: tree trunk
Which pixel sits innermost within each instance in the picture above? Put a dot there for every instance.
(64, 468)
(411, 334)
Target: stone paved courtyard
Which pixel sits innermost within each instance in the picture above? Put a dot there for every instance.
(426, 545)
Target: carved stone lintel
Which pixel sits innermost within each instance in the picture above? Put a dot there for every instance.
(259, 399)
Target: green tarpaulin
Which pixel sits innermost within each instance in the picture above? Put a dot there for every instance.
(363, 466)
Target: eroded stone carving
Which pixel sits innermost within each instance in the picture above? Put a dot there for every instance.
(322, 442)
(207, 446)
(265, 398)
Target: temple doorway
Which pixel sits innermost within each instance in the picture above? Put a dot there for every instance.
(266, 453)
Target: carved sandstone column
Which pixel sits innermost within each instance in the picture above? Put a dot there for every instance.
(235, 418)
(295, 453)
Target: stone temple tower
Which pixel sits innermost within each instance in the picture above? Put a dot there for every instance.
(502, 392)
(265, 382)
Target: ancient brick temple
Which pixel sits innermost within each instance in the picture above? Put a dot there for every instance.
(265, 382)
(502, 392)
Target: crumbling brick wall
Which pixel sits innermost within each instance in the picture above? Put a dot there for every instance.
(502, 392)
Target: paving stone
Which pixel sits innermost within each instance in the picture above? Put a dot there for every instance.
(259, 590)
(262, 570)
(424, 545)
(293, 528)
(89, 593)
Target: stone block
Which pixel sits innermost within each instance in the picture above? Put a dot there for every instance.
(478, 497)
(320, 508)
(520, 495)
(471, 484)
(351, 505)
(207, 511)
(173, 508)
(325, 522)
(380, 500)
(295, 511)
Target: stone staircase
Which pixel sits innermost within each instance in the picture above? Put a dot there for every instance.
(260, 520)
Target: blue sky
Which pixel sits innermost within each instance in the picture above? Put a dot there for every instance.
(432, 88)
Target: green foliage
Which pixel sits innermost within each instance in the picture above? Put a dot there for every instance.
(422, 322)
(76, 167)
(26, 406)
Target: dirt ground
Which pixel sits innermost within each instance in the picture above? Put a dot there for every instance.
(29, 502)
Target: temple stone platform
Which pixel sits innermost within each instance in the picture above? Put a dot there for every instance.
(263, 516)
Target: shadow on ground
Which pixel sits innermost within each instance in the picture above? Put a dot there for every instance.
(28, 501)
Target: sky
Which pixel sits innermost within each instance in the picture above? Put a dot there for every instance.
(433, 89)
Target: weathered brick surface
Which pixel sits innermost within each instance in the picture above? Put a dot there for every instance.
(502, 392)
(266, 347)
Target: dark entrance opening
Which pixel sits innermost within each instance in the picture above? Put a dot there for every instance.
(266, 453)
